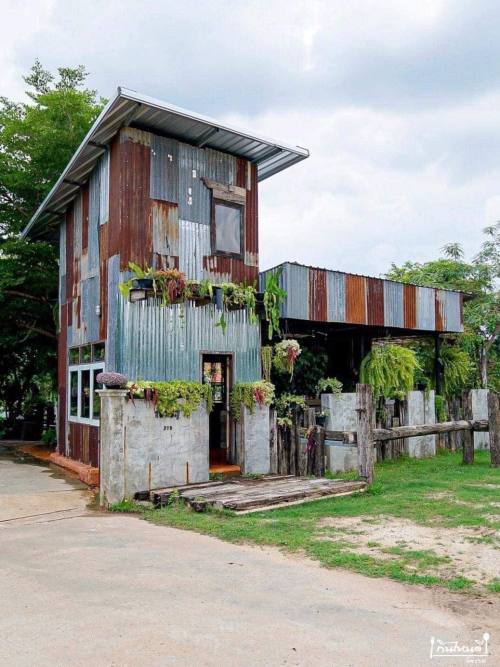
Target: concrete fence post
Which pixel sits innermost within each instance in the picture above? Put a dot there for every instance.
(113, 446)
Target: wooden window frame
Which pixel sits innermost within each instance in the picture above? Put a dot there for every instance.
(213, 228)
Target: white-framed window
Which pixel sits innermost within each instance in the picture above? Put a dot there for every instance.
(84, 405)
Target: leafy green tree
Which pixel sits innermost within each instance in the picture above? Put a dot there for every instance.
(37, 139)
(479, 279)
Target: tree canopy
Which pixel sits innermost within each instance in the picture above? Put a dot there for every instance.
(479, 280)
(37, 139)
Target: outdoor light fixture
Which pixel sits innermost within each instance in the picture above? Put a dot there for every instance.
(137, 294)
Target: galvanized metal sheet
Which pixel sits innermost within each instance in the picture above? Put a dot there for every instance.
(113, 324)
(94, 204)
(166, 343)
(335, 284)
(426, 310)
(89, 302)
(452, 310)
(194, 244)
(296, 283)
(220, 167)
(62, 265)
(194, 196)
(393, 304)
(164, 183)
(77, 227)
(103, 166)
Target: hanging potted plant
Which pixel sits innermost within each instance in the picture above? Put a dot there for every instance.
(172, 285)
(201, 292)
(286, 353)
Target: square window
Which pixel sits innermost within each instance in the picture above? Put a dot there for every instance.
(73, 393)
(74, 355)
(227, 227)
(85, 394)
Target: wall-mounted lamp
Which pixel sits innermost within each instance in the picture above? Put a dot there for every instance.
(98, 310)
(137, 294)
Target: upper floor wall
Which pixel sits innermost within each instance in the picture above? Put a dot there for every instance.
(162, 194)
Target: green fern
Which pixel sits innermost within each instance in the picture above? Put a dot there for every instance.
(389, 370)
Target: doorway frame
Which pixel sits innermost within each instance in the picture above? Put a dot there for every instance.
(230, 383)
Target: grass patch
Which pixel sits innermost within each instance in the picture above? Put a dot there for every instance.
(423, 491)
(127, 507)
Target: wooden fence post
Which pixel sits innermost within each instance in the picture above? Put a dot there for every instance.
(364, 427)
(273, 443)
(468, 436)
(494, 427)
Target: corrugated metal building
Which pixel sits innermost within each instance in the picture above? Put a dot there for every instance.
(143, 187)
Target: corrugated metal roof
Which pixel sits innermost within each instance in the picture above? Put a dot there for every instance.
(131, 108)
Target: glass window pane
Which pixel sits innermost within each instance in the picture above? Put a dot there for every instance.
(86, 353)
(85, 395)
(227, 228)
(73, 393)
(98, 352)
(96, 399)
(74, 355)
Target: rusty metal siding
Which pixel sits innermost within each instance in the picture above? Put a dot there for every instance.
(165, 223)
(194, 196)
(62, 356)
(62, 265)
(426, 313)
(252, 219)
(90, 295)
(103, 280)
(165, 343)
(317, 295)
(410, 306)
(336, 296)
(194, 244)
(136, 243)
(84, 196)
(69, 262)
(94, 203)
(164, 169)
(453, 316)
(296, 279)
(103, 168)
(113, 271)
(116, 163)
(393, 304)
(440, 310)
(355, 299)
(375, 301)
(219, 269)
(220, 167)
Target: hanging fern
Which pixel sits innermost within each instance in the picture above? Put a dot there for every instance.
(266, 354)
(457, 370)
(390, 370)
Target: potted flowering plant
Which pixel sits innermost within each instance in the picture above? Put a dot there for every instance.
(172, 285)
(286, 353)
(112, 380)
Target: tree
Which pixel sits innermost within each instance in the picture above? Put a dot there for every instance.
(37, 139)
(479, 279)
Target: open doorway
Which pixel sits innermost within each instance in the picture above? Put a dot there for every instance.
(217, 370)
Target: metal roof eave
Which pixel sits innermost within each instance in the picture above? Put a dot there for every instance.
(129, 107)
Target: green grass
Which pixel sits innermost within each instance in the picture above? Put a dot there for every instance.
(423, 491)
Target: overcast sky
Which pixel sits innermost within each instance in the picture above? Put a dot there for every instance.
(397, 101)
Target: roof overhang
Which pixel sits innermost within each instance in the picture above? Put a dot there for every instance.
(131, 108)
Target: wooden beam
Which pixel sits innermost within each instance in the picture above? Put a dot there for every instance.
(468, 438)
(365, 420)
(494, 422)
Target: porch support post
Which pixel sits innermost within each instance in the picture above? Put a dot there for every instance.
(365, 419)
(112, 447)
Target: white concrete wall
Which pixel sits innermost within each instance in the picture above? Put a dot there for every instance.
(253, 440)
(421, 410)
(140, 451)
(480, 411)
(341, 417)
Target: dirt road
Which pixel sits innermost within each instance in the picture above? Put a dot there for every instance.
(80, 587)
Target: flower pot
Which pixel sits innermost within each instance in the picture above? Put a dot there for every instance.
(143, 283)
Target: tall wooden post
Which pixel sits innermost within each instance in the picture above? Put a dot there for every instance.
(468, 436)
(494, 427)
(365, 420)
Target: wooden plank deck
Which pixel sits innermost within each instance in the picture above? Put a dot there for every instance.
(244, 495)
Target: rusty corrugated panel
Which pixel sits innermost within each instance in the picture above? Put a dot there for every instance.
(136, 237)
(94, 205)
(165, 222)
(439, 310)
(164, 169)
(220, 167)
(241, 172)
(393, 304)
(336, 296)
(112, 319)
(69, 261)
(62, 267)
(252, 220)
(426, 311)
(410, 306)
(84, 196)
(375, 301)
(355, 299)
(115, 165)
(194, 196)
(62, 379)
(103, 280)
(164, 343)
(317, 295)
(220, 269)
(194, 245)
